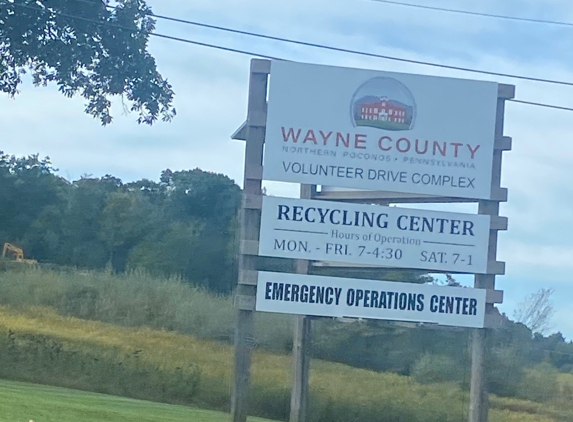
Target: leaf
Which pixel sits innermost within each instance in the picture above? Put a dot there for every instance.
(87, 49)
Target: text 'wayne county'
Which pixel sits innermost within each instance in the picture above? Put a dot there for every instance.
(385, 143)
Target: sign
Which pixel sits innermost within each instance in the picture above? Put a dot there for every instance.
(380, 131)
(374, 235)
(343, 297)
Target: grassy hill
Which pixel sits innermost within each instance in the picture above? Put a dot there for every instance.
(39, 345)
(24, 402)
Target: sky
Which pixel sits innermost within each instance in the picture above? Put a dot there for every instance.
(211, 96)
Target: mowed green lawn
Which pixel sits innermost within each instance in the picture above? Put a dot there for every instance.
(20, 402)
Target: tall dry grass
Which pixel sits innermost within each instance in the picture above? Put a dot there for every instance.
(137, 299)
(161, 365)
(156, 308)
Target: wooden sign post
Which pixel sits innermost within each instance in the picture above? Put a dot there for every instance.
(410, 191)
(479, 401)
(302, 338)
(250, 221)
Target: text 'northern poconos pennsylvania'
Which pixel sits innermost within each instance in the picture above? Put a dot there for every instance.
(373, 235)
(342, 297)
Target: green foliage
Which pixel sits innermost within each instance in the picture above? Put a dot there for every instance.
(557, 408)
(430, 369)
(157, 237)
(136, 299)
(21, 402)
(126, 219)
(92, 353)
(171, 253)
(45, 359)
(553, 348)
(539, 383)
(185, 225)
(27, 187)
(364, 344)
(203, 195)
(505, 370)
(87, 49)
(68, 233)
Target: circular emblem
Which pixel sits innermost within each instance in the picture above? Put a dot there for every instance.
(383, 103)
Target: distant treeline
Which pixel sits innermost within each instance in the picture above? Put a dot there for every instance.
(183, 225)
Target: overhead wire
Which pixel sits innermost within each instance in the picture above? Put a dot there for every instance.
(364, 53)
(541, 104)
(472, 13)
(218, 47)
(349, 51)
(255, 54)
(359, 52)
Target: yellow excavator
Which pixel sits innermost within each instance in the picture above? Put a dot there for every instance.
(14, 253)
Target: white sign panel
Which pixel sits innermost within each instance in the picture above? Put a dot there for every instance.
(380, 131)
(343, 297)
(374, 235)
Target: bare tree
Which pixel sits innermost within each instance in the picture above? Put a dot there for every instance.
(536, 311)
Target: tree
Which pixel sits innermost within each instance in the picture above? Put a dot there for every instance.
(69, 233)
(88, 48)
(171, 251)
(204, 195)
(536, 311)
(505, 369)
(124, 222)
(27, 185)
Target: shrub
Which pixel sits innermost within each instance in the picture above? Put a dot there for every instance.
(45, 359)
(505, 371)
(539, 383)
(137, 299)
(436, 368)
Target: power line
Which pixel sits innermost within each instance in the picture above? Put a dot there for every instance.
(362, 53)
(541, 105)
(217, 47)
(249, 53)
(468, 12)
(350, 51)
